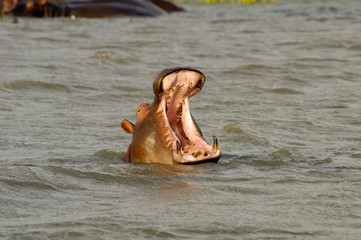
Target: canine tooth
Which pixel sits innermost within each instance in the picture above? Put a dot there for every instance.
(215, 144)
(179, 149)
(195, 154)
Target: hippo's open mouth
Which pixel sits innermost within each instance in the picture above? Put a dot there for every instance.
(174, 90)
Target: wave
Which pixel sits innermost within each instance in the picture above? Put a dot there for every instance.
(24, 85)
(244, 135)
(275, 159)
(30, 185)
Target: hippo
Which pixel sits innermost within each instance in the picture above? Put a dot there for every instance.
(88, 8)
(165, 131)
(155, 6)
(6, 5)
(140, 4)
(167, 6)
(106, 10)
(91, 9)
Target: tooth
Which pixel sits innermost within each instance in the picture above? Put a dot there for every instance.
(215, 144)
(206, 152)
(179, 150)
(195, 154)
(179, 113)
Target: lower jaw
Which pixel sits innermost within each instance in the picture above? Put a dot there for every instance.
(200, 160)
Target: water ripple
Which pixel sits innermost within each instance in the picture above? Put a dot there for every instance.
(23, 85)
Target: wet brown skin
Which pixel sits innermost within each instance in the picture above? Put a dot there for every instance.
(87, 8)
(167, 6)
(165, 132)
(93, 9)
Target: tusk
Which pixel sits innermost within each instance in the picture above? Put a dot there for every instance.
(215, 144)
(179, 151)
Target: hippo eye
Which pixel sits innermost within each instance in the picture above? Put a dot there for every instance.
(141, 109)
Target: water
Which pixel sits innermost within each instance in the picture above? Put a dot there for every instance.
(282, 95)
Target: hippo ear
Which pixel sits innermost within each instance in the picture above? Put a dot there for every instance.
(127, 126)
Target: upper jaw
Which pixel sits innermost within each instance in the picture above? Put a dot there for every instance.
(187, 143)
(161, 83)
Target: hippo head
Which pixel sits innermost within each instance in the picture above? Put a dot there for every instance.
(165, 131)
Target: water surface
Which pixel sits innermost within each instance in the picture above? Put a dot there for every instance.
(282, 95)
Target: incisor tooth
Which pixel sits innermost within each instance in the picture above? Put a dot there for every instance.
(215, 144)
(195, 154)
